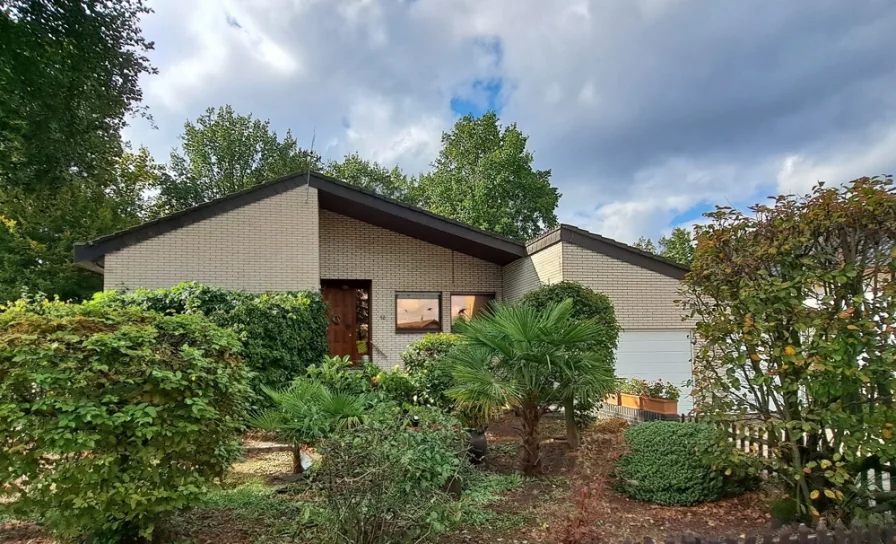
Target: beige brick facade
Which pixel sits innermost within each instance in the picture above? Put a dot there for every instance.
(269, 245)
(643, 299)
(526, 274)
(353, 250)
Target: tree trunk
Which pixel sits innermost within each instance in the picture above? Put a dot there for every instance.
(572, 430)
(530, 458)
(297, 467)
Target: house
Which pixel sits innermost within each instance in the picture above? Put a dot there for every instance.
(392, 272)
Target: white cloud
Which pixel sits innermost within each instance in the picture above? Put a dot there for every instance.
(641, 109)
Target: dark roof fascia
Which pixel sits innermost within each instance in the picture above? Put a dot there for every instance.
(608, 247)
(485, 245)
(95, 249)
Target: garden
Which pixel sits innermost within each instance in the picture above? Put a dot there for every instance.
(197, 414)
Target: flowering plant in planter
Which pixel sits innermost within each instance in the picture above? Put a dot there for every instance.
(655, 390)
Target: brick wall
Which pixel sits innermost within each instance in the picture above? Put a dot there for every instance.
(526, 274)
(269, 245)
(642, 299)
(353, 250)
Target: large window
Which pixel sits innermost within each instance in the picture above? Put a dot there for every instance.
(466, 306)
(418, 312)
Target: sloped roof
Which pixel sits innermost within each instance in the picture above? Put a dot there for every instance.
(370, 207)
(333, 195)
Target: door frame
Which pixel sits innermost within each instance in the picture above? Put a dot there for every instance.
(356, 284)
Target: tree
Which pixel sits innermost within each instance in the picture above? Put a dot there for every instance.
(587, 304)
(484, 176)
(69, 77)
(646, 244)
(307, 411)
(678, 246)
(41, 227)
(514, 355)
(797, 311)
(373, 177)
(223, 152)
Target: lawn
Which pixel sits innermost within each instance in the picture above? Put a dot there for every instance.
(255, 504)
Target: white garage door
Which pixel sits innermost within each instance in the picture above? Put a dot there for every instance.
(652, 355)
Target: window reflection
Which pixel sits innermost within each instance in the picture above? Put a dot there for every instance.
(465, 307)
(418, 312)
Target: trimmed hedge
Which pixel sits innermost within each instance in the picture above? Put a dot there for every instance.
(113, 418)
(422, 359)
(666, 464)
(281, 333)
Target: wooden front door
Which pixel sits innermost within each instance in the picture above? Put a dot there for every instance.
(342, 317)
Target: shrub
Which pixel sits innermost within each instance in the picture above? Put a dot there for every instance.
(382, 482)
(281, 333)
(424, 361)
(665, 464)
(656, 390)
(397, 385)
(113, 418)
(590, 305)
(337, 374)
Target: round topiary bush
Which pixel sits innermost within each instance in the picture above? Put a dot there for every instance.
(423, 360)
(666, 464)
(113, 418)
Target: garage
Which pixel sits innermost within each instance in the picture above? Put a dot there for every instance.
(658, 354)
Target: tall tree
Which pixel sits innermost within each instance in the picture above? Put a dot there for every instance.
(679, 246)
(69, 74)
(373, 177)
(223, 152)
(37, 231)
(484, 176)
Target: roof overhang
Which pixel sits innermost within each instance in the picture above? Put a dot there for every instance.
(333, 195)
(608, 247)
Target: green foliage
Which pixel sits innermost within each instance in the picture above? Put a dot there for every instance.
(587, 304)
(425, 361)
(679, 246)
(796, 307)
(306, 411)
(373, 177)
(656, 390)
(526, 358)
(281, 333)
(69, 78)
(224, 152)
(665, 464)
(483, 176)
(112, 419)
(338, 374)
(396, 386)
(382, 482)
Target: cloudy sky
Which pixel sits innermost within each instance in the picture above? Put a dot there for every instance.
(648, 112)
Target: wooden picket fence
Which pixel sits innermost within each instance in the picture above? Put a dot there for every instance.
(858, 534)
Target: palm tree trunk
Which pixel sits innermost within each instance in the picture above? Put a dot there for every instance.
(572, 430)
(297, 467)
(530, 458)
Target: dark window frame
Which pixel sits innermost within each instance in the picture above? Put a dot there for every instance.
(399, 330)
(493, 294)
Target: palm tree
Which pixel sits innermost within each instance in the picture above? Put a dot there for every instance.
(307, 411)
(526, 358)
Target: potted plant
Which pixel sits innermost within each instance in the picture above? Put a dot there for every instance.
(659, 397)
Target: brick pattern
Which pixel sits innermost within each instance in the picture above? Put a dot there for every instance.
(269, 245)
(353, 250)
(642, 299)
(526, 274)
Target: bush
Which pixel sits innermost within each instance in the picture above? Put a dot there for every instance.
(281, 333)
(113, 418)
(665, 464)
(382, 482)
(423, 361)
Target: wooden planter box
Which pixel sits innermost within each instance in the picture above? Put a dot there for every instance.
(657, 406)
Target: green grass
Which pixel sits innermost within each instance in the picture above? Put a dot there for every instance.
(481, 489)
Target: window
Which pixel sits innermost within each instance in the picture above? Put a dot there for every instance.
(418, 312)
(467, 306)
